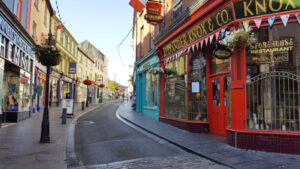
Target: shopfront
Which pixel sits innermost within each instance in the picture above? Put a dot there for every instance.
(250, 96)
(147, 88)
(18, 69)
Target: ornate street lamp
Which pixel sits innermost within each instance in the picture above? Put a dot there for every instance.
(48, 56)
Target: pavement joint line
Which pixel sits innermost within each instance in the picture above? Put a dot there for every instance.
(174, 143)
(70, 148)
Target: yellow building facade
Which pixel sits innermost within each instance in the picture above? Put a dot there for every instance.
(39, 27)
(85, 70)
(63, 80)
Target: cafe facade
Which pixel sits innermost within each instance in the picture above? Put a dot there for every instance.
(247, 92)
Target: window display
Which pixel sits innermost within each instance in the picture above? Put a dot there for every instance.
(197, 75)
(148, 88)
(10, 91)
(273, 79)
(175, 95)
(24, 91)
(154, 90)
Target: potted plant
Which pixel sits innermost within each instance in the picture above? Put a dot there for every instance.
(157, 70)
(238, 38)
(47, 55)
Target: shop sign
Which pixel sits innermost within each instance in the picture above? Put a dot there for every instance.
(201, 29)
(276, 51)
(222, 52)
(148, 63)
(252, 8)
(153, 15)
(42, 76)
(72, 68)
(8, 32)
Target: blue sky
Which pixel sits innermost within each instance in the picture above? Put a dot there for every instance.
(104, 23)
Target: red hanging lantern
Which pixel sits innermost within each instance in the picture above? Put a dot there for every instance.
(117, 88)
(102, 85)
(88, 82)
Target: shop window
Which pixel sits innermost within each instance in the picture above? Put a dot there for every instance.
(24, 93)
(148, 88)
(175, 93)
(273, 79)
(11, 91)
(219, 65)
(3, 46)
(154, 86)
(197, 86)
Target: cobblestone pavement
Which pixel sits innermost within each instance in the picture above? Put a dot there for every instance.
(187, 161)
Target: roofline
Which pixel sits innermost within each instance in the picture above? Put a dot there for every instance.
(85, 54)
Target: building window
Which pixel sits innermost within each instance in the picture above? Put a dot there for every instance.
(36, 4)
(177, 8)
(34, 27)
(273, 79)
(45, 15)
(18, 9)
(142, 42)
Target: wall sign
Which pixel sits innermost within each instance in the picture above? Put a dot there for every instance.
(201, 29)
(222, 52)
(251, 8)
(72, 68)
(276, 51)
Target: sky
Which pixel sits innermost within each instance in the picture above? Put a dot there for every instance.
(104, 23)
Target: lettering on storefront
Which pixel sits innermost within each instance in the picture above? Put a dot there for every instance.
(203, 28)
(276, 51)
(252, 8)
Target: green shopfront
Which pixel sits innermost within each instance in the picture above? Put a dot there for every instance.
(147, 85)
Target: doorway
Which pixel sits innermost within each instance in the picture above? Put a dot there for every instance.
(219, 94)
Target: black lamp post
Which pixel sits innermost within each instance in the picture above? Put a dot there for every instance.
(45, 132)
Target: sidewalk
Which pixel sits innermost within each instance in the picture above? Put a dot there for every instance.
(207, 146)
(20, 147)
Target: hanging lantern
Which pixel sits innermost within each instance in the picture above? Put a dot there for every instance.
(117, 88)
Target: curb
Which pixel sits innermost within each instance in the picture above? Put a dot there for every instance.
(172, 142)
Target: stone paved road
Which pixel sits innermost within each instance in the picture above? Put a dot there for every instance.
(103, 141)
(186, 161)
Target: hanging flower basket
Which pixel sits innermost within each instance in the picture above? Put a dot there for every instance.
(157, 70)
(47, 55)
(170, 71)
(102, 85)
(117, 88)
(88, 82)
(238, 38)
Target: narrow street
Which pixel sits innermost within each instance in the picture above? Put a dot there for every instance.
(103, 141)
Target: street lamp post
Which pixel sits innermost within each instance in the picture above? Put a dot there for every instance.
(45, 134)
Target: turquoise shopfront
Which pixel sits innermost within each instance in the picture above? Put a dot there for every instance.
(147, 85)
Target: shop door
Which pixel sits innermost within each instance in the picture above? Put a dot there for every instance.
(218, 105)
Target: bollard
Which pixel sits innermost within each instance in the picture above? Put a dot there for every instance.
(82, 106)
(64, 116)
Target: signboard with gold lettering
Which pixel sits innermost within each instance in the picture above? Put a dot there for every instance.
(201, 29)
(153, 15)
(252, 8)
(276, 51)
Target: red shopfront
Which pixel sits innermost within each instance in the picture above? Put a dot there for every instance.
(252, 97)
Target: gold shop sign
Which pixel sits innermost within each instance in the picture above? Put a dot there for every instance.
(251, 8)
(276, 51)
(201, 29)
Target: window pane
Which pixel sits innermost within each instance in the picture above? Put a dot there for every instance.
(154, 90)
(273, 73)
(148, 88)
(216, 92)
